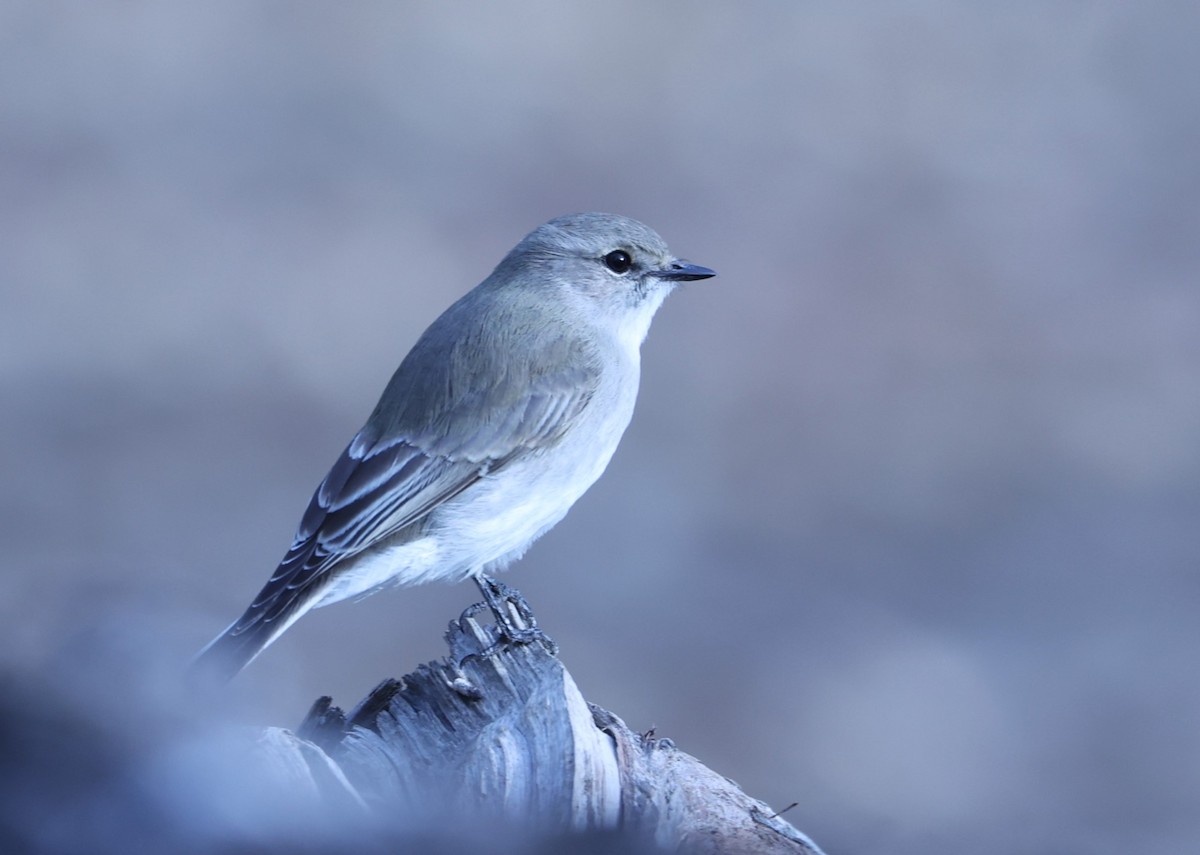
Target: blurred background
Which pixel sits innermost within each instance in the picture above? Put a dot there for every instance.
(906, 528)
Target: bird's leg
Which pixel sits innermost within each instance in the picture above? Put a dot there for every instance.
(497, 593)
(498, 598)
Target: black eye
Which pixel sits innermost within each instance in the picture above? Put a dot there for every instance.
(618, 261)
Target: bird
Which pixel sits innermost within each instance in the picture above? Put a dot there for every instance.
(505, 411)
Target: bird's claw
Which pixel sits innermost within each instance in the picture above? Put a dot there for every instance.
(514, 617)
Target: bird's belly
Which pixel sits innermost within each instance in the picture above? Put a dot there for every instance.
(505, 514)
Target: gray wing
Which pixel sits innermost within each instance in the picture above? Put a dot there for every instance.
(376, 490)
(439, 428)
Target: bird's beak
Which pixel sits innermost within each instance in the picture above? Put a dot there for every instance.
(684, 271)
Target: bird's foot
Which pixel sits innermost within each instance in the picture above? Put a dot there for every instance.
(513, 615)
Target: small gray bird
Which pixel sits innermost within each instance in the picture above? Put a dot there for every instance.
(507, 409)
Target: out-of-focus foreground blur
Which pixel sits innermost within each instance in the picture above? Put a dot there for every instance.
(906, 528)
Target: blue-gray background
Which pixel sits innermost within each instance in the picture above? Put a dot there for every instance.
(907, 525)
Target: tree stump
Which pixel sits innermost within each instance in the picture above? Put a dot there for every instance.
(506, 737)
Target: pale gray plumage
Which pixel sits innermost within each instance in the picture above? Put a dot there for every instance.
(504, 412)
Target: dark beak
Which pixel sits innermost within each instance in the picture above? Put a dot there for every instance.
(684, 271)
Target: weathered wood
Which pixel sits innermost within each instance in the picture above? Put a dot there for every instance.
(508, 737)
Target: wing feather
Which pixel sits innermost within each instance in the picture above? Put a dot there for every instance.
(393, 486)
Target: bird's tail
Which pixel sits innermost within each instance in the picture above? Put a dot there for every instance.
(221, 659)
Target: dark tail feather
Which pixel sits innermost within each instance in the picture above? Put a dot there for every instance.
(278, 605)
(231, 651)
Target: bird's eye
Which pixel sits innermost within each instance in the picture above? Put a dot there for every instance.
(618, 261)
